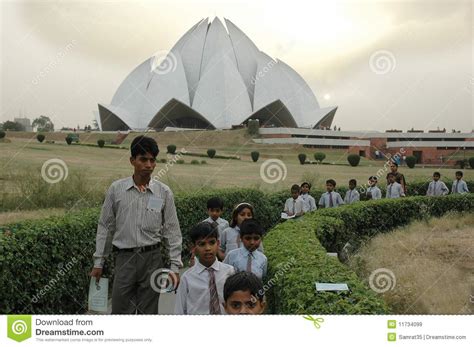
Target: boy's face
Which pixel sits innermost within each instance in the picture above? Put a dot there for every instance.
(352, 185)
(372, 182)
(243, 302)
(143, 164)
(329, 187)
(214, 213)
(458, 177)
(295, 194)
(305, 188)
(435, 177)
(251, 241)
(243, 215)
(206, 249)
(391, 179)
(393, 167)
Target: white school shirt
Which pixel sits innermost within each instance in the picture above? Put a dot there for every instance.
(437, 188)
(294, 206)
(222, 224)
(352, 195)
(394, 190)
(459, 187)
(375, 192)
(336, 200)
(309, 204)
(193, 293)
(230, 240)
(238, 259)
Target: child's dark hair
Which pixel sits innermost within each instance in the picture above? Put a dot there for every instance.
(353, 181)
(251, 226)
(215, 202)
(436, 173)
(295, 188)
(244, 281)
(306, 184)
(458, 173)
(142, 145)
(331, 181)
(237, 209)
(203, 230)
(391, 174)
(373, 178)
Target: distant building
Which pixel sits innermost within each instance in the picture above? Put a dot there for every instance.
(25, 122)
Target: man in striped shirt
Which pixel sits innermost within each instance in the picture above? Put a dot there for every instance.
(138, 214)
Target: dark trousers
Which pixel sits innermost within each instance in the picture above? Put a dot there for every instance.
(132, 291)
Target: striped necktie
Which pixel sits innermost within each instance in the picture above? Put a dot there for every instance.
(331, 204)
(456, 187)
(390, 190)
(249, 262)
(214, 307)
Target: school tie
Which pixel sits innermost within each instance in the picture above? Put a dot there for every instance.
(456, 187)
(249, 262)
(214, 224)
(214, 307)
(350, 195)
(294, 203)
(390, 191)
(331, 204)
(434, 188)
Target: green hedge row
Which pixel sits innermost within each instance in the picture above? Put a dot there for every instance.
(54, 255)
(296, 252)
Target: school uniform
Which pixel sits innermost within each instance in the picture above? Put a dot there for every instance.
(330, 199)
(437, 188)
(394, 190)
(459, 186)
(231, 240)
(243, 260)
(375, 192)
(352, 195)
(309, 203)
(222, 224)
(294, 206)
(201, 289)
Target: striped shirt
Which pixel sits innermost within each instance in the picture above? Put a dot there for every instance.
(238, 258)
(437, 188)
(330, 199)
(394, 190)
(459, 186)
(130, 218)
(309, 204)
(375, 192)
(352, 195)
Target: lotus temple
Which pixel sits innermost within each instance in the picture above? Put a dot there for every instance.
(214, 77)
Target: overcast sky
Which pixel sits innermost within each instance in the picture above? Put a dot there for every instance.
(386, 64)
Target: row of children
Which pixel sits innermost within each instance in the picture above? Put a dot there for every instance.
(301, 201)
(227, 264)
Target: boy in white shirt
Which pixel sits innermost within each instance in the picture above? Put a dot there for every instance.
(459, 186)
(309, 204)
(373, 192)
(201, 287)
(394, 189)
(352, 195)
(294, 205)
(330, 198)
(437, 187)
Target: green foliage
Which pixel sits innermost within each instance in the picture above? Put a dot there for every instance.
(171, 149)
(195, 162)
(302, 158)
(253, 127)
(471, 160)
(203, 162)
(255, 155)
(211, 153)
(43, 123)
(13, 126)
(411, 161)
(353, 159)
(100, 143)
(2, 134)
(319, 157)
(180, 161)
(69, 139)
(40, 137)
(163, 160)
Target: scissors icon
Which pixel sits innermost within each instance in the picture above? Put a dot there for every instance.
(316, 321)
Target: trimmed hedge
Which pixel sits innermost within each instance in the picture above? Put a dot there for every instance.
(296, 243)
(31, 252)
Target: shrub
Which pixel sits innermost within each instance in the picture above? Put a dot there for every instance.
(40, 137)
(211, 153)
(171, 149)
(353, 159)
(205, 155)
(180, 161)
(255, 156)
(471, 160)
(252, 126)
(302, 158)
(69, 140)
(319, 157)
(411, 161)
(203, 162)
(461, 163)
(195, 162)
(2, 134)
(101, 143)
(163, 160)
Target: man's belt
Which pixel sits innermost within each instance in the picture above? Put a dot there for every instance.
(137, 249)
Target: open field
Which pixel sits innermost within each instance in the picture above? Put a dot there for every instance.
(431, 262)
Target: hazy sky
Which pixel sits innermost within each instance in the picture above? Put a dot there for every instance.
(386, 64)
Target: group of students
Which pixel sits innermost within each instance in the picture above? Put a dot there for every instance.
(301, 201)
(227, 264)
